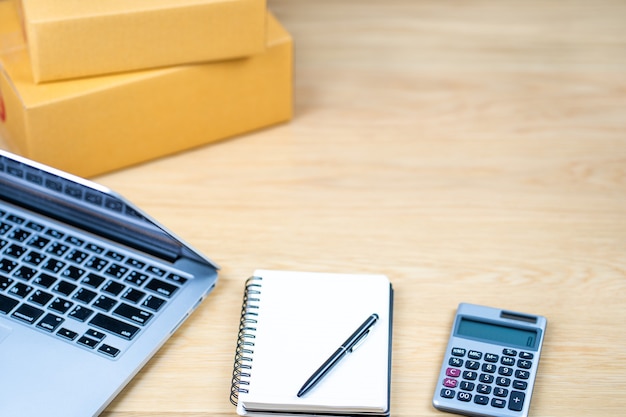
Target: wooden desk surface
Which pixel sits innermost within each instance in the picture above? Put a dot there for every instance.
(471, 150)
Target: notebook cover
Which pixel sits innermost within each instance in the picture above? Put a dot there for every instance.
(301, 318)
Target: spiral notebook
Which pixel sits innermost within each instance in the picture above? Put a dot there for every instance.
(291, 322)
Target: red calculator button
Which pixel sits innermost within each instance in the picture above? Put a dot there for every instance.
(449, 383)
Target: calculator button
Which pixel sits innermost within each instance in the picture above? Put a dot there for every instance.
(501, 392)
(489, 367)
(474, 354)
(455, 362)
(484, 389)
(524, 364)
(498, 403)
(503, 382)
(509, 352)
(481, 400)
(453, 372)
(464, 396)
(472, 365)
(460, 352)
(470, 375)
(447, 393)
(467, 386)
(520, 384)
(504, 371)
(526, 355)
(450, 383)
(516, 402)
(490, 357)
(508, 361)
(522, 374)
(486, 378)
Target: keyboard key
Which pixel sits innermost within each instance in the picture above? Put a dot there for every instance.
(137, 278)
(57, 249)
(133, 295)
(54, 233)
(27, 313)
(60, 305)
(50, 322)
(113, 287)
(161, 287)
(74, 240)
(40, 297)
(88, 342)
(77, 256)
(20, 290)
(73, 272)
(94, 248)
(38, 242)
(114, 326)
(80, 313)
(96, 263)
(109, 350)
(84, 295)
(34, 258)
(116, 270)
(5, 282)
(53, 265)
(15, 251)
(67, 333)
(65, 288)
(44, 280)
(114, 255)
(93, 280)
(4, 227)
(24, 273)
(153, 303)
(104, 303)
(35, 226)
(156, 270)
(95, 334)
(135, 263)
(7, 265)
(19, 235)
(7, 304)
(180, 280)
(133, 314)
(15, 219)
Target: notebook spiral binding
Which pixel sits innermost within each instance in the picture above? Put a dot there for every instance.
(245, 339)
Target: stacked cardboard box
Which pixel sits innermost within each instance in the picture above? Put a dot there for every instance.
(90, 87)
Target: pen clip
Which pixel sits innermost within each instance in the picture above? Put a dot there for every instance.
(359, 341)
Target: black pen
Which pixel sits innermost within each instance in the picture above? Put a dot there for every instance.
(343, 350)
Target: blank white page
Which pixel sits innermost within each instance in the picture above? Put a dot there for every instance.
(303, 318)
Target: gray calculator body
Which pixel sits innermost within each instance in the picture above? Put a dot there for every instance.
(490, 362)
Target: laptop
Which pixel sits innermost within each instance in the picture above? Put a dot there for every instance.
(90, 288)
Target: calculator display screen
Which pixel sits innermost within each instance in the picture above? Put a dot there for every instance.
(497, 333)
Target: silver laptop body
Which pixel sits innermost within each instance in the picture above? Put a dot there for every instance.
(90, 288)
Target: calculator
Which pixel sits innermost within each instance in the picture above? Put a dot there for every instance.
(490, 362)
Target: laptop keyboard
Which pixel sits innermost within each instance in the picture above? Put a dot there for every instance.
(96, 296)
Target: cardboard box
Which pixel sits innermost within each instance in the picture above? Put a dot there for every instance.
(76, 38)
(93, 125)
